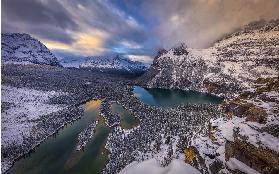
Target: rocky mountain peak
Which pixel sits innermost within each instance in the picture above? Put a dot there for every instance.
(180, 49)
(21, 48)
(161, 51)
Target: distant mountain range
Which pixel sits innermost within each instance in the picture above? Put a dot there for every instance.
(23, 49)
(115, 63)
(232, 64)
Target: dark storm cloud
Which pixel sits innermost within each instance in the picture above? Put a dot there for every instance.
(200, 22)
(47, 19)
(65, 21)
(131, 27)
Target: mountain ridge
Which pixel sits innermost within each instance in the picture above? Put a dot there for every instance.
(115, 63)
(231, 65)
(21, 48)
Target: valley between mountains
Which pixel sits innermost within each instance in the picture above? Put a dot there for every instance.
(91, 105)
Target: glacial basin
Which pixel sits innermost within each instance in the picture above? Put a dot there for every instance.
(173, 97)
(58, 153)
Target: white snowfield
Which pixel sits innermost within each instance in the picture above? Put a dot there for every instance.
(151, 166)
(234, 164)
(26, 105)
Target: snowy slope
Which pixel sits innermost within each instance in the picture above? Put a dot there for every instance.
(22, 109)
(116, 63)
(231, 65)
(152, 166)
(23, 49)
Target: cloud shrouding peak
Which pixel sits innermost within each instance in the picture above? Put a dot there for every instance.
(199, 23)
(135, 28)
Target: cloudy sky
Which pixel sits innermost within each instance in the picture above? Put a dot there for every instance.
(136, 28)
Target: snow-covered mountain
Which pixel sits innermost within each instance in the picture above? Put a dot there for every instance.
(23, 49)
(116, 63)
(231, 64)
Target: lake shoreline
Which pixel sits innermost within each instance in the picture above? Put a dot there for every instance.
(121, 92)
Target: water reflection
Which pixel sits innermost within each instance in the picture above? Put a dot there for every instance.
(59, 155)
(169, 98)
(93, 104)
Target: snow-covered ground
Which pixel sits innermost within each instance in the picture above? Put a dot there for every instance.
(27, 105)
(24, 107)
(234, 164)
(152, 166)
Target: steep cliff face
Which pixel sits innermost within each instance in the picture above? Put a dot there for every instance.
(231, 65)
(23, 49)
(180, 67)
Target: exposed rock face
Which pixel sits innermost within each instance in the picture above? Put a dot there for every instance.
(263, 160)
(257, 104)
(176, 68)
(248, 110)
(246, 137)
(24, 49)
(230, 66)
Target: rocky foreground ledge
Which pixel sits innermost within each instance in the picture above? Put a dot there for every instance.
(246, 138)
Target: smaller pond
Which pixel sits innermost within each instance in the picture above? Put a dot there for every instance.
(170, 97)
(128, 121)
